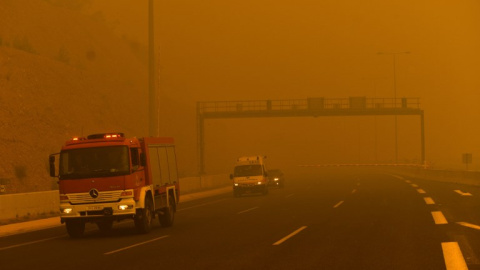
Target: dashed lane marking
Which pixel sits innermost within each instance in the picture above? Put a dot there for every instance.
(453, 256)
(414, 185)
(248, 210)
(421, 191)
(428, 200)
(470, 225)
(353, 191)
(462, 193)
(135, 245)
(338, 204)
(289, 236)
(439, 218)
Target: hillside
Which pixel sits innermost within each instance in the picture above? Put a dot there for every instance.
(61, 74)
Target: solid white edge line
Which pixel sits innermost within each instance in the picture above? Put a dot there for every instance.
(32, 242)
(439, 218)
(470, 225)
(199, 205)
(453, 256)
(135, 245)
(250, 209)
(289, 236)
(338, 204)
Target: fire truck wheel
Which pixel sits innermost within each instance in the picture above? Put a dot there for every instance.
(105, 226)
(168, 214)
(143, 219)
(75, 228)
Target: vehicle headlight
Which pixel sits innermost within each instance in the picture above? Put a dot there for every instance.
(124, 207)
(259, 183)
(275, 179)
(236, 184)
(67, 210)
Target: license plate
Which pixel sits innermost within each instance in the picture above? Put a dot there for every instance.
(96, 207)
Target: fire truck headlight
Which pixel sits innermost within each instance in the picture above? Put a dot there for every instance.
(236, 184)
(67, 210)
(124, 207)
(275, 179)
(259, 183)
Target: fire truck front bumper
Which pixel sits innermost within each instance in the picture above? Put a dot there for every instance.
(122, 209)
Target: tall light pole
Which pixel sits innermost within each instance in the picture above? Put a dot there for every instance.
(152, 100)
(394, 54)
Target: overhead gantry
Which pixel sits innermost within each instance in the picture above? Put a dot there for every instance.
(310, 107)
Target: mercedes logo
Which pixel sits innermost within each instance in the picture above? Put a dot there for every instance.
(93, 193)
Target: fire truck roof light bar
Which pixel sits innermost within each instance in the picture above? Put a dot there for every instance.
(114, 135)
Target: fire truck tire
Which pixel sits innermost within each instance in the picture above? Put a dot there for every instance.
(75, 228)
(105, 226)
(168, 214)
(143, 219)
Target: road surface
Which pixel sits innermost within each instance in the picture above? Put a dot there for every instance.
(322, 219)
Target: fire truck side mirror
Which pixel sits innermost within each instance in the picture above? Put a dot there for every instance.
(51, 161)
(143, 159)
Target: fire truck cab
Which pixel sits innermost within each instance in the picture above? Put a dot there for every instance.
(107, 177)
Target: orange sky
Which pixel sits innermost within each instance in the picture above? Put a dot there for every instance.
(254, 50)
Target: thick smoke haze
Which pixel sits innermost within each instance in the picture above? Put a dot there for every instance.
(258, 50)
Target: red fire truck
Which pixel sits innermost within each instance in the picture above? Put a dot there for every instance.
(107, 177)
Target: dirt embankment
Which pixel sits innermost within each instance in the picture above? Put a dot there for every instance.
(61, 74)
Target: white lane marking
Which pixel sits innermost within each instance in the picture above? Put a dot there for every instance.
(199, 205)
(428, 200)
(353, 191)
(288, 196)
(439, 218)
(463, 193)
(421, 191)
(396, 176)
(453, 256)
(470, 225)
(32, 242)
(408, 181)
(338, 204)
(414, 185)
(250, 209)
(289, 236)
(135, 245)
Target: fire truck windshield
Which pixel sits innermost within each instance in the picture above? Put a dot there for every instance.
(247, 170)
(94, 162)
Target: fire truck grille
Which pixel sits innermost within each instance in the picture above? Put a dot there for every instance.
(107, 196)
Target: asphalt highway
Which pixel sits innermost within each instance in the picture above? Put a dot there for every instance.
(322, 219)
